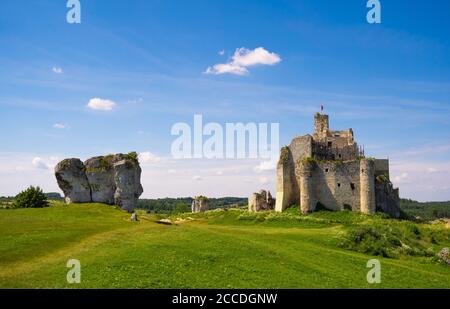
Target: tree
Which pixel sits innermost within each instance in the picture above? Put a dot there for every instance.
(181, 208)
(33, 197)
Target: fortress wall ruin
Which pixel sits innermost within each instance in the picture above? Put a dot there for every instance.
(335, 185)
(367, 182)
(287, 186)
(329, 169)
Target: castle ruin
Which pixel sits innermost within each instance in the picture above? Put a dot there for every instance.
(328, 170)
(261, 201)
(200, 204)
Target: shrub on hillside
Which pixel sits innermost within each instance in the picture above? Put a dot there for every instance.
(388, 240)
(33, 197)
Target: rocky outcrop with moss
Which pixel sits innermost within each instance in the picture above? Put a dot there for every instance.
(71, 177)
(112, 179)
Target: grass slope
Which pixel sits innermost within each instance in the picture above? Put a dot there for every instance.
(219, 249)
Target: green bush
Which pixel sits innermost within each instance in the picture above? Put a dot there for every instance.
(388, 240)
(33, 197)
(181, 208)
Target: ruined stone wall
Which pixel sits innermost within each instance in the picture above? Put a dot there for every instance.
(321, 126)
(387, 198)
(301, 148)
(287, 188)
(382, 167)
(308, 199)
(200, 204)
(367, 183)
(322, 151)
(328, 169)
(261, 201)
(337, 185)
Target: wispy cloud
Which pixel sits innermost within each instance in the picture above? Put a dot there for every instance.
(60, 126)
(242, 59)
(270, 165)
(424, 180)
(40, 164)
(197, 177)
(57, 70)
(148, 157)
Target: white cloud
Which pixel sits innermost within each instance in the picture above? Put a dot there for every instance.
(266, 166)
(40, 164)
(148, 157)
(219, 173)
(57, 70)
(264, 180)
(171, 171)
(432, 170)
(60, 126)
(402, 178)
(221, 52)
(197, 178)
(224, 68)
(101, 104)
(244, 58)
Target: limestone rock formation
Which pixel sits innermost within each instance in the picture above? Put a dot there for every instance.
(112, 179)
(101, 179)
(127, 177)
(261, 201)
(71, 177)
(444, 255)
(200, 204)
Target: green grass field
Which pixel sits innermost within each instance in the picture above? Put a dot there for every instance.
(218, 249)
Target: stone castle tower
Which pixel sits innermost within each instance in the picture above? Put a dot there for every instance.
(329, 170)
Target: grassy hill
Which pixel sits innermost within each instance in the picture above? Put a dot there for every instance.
(217, 249)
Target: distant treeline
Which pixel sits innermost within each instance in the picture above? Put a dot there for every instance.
(183, 204)
(50, 195)
(427, 210)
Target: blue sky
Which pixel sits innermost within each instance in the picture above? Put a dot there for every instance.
(390, 82)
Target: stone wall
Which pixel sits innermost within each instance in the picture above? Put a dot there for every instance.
(387, 198)
(367, 183)
(337, 184)
(321, 126)
(322, 151)
(261, 201)
(328, 170)
(200, 204)
(287, 187)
